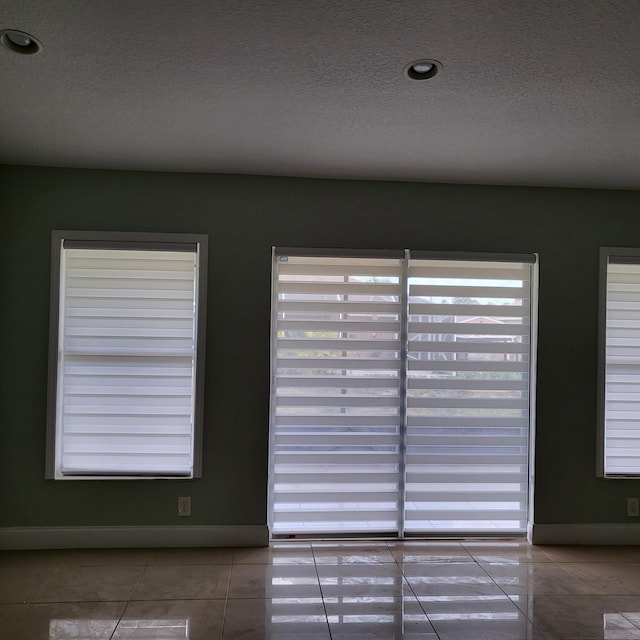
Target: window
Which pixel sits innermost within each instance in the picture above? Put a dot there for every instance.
(126, 355)
(401, 392)
(619, 364)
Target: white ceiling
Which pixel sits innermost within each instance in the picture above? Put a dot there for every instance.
(540, 92)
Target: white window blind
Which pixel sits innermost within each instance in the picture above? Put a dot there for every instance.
(335, 433)
(401, 395)
(621, 410)
(126, 370)
(468, 396)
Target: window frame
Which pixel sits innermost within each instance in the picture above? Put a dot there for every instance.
(126, 240)
(620, 255)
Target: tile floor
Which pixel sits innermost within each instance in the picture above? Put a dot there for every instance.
(434, 590)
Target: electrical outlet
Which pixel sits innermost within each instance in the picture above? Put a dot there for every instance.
(633, 507)
(184, 506)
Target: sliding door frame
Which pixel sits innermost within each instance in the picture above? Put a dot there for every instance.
(406, 256)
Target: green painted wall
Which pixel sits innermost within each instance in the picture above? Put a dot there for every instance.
(244, 216)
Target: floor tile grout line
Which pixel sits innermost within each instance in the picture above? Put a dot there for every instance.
(636, 625)
(138, 581)
(115, 628)
(226, 598)
(322, 596)
(415, 595)
(129, 599)
(41, 586)
(507, 596)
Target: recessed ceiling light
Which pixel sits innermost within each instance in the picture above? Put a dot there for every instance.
(422, 69)
(19, 42)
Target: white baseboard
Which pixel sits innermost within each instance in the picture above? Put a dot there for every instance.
(584, 534)
(119, 537)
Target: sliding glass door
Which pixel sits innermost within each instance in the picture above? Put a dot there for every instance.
(468, 396)
(400, 393)
(335, 433)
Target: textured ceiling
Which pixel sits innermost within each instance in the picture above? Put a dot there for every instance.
(530, 93)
